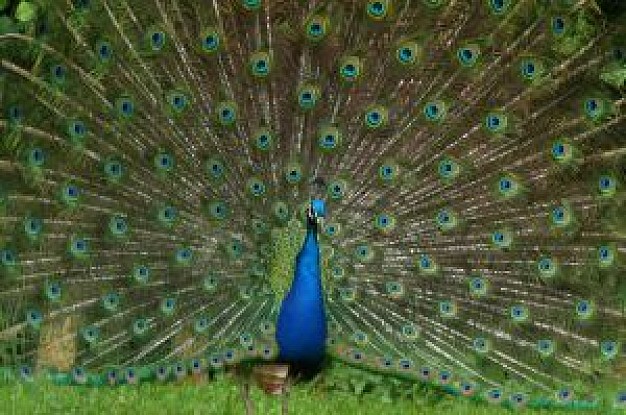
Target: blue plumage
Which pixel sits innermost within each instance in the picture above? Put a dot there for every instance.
(301, 329)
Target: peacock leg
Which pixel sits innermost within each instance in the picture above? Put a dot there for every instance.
(245, 395)
(285, 394)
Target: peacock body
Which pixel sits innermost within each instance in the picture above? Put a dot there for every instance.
(159, 158)
(301, 327)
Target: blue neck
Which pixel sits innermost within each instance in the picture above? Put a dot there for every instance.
(307, 279)
(301, 328)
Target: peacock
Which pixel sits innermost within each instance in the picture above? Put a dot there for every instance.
(426, 189)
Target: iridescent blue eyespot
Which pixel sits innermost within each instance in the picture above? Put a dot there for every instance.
(78, 247)
(558, 25)
(293, 173)
(178, 101)
(8, 258)
(595, 108)
(394, 289)
(609, 349)
(125, 107)
(507, 186)
(426, 265)
(82, 4)
(79, 375)
(15, 114)
(252, 4)
(495, 122)
(377, 9)
(478, 286)
(118, 226)
(260, 64)
(564, 395)
(281, 211)
(468, 55)
(480, 345)
(210, 282)
(53, 291)
(111, 302)
(518, 399)
(316, 28)
(447, 308)
(410, 331)
(201, 324)
(405, 364)
(530, 69)
(445, 377)
(36, 157)
(558, 150)
(168, 306)
(606, 255)
(519, 313)
(90, 334)
(210, 40)
(560, 216)
(501, 238)
(494, 396)
(34, 318)
(607, 185)
(407, 53)
(141, 274)
(26, 373)
(184, 255)
(70, 195)
(388, 172)
(363, 253)
(226, 113)
(584, 309)
(435, 111)
(332, 229)
(446, 219)
(308, 96)
(215, 168)
(499, 7)
(256, 187)
(329, 138)
(376, 117)
(164, 162)
(113, 170)
(547, 267)
(448, 169)
(263, 139)
(33, 227)
(58, 73)
(140, 326)
(350, 68)
(77, 131)
(385, 222)
(157, 40)
(218, 210)
(336, 189)
(104, 51)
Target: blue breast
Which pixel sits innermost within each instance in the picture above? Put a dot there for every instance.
(301, 327)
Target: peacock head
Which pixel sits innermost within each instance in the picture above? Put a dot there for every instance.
(315, 213)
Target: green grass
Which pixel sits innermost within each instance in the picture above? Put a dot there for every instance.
(224, 397)
(339, 389)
